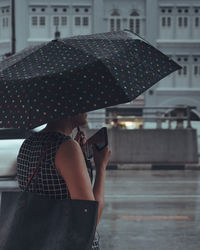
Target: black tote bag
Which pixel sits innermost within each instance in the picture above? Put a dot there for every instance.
(29, 221)
(32, 222)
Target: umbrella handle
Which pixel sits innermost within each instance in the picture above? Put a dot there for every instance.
(81, 142)
(81, 137)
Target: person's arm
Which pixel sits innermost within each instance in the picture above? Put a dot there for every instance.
(71, 165)
(100, 159)
(98, 190)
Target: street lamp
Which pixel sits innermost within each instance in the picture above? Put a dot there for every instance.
(13, 32)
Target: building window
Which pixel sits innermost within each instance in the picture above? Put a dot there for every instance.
(134, 22)
(169, 21)
(196, 66)
(118, 24)
(197, 22)
(85, 21)
(112, 24)
(163, 21)
(166, 21)
(60, 20)
(196, 70)
(34, 20)
(184, 70)
(56, 20)
(42, 20)
(183, 10)
(115, 24)
(5, 22)
(137, 26)
(131, 24)
(185, 21)
(77, 21)
(63, 20)
(166, 10)
(180, 23)
(115, 21)
(38, 21)
(134, 25)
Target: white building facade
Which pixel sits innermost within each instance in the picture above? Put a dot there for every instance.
(173, 26)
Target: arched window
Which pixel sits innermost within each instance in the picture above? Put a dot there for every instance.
(115, 20)
(115, 12)
(134, 13)
(134, 22)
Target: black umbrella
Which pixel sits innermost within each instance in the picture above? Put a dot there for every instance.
(75, 75)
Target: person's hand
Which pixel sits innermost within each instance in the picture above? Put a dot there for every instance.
(81, 139)
(101, 158)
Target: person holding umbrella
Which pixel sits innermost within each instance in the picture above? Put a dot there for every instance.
(63, 172)
(57, 83)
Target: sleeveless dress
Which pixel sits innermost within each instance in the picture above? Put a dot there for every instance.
(47, 181)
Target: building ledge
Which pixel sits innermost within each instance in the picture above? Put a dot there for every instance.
(82, 5)
(5, 41)
(38, 4)
(178, 41)
(179, 5)
(38, 40)
(178, 91)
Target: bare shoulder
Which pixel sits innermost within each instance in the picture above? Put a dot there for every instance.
(69, 157)
(71, 165)
(68, 151)
(69, 146)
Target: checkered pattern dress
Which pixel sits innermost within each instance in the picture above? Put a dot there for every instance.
(47, 181)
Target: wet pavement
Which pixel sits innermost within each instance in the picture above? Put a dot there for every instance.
(151, 210)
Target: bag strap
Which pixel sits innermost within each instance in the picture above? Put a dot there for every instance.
(36, 169)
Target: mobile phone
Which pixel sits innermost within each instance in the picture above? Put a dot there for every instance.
(99, 140)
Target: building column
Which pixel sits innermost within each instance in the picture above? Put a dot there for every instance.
(98, 16)
(22, 24)
(152, 16)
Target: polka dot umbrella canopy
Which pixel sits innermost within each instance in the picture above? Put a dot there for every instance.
(76, 75)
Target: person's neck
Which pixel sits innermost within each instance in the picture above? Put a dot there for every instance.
(65, 129)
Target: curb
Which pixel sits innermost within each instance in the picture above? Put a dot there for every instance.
(134, 166)
(192, 166)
